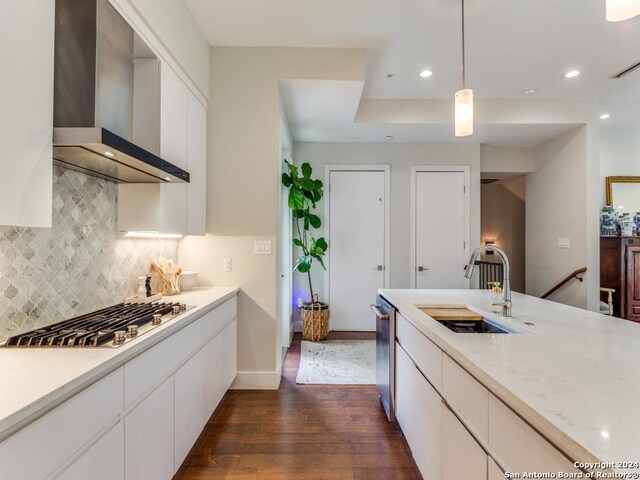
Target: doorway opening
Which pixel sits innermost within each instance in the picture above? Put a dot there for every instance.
(503, 223)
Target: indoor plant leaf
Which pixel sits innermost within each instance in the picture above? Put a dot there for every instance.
(314, 220)
(297, 199)
(286, 180)
(306, 170)
(303, 264)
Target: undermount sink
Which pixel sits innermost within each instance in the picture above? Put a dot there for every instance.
(459, 319)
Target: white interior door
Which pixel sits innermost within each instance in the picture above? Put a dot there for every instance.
(356, 246)
(440, 229)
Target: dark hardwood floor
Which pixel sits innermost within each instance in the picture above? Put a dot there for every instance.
(319, 432)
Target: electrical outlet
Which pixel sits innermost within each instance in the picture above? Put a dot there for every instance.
(262, 247)
(564, 243)
(226, 264)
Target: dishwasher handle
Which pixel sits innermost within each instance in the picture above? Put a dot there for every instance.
(379, 314)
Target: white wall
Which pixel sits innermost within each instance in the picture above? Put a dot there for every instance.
(619, 155)
(557, 207)
(401, 157)
(243, 186)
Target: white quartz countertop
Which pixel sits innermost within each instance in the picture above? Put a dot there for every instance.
(35, 380)
(574, 375)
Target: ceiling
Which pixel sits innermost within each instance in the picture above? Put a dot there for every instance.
(512, 45)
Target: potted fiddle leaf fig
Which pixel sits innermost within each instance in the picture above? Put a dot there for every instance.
(304, 193)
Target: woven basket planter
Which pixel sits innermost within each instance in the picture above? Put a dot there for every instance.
(315, 321)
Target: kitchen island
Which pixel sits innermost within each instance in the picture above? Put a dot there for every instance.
(570, 377)
(79, 412)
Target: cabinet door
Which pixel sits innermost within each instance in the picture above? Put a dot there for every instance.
(197, 166)
(418, 411)
(462, 457)
(633, 283)
(214, 378)
(192, 405)
(149, 436)
(173, 148)
(103, 461)
(230, 354)
(26, 123)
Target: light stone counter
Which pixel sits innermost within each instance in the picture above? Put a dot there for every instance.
(574, 375)
(33, 381)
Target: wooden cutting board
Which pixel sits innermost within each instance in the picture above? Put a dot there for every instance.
(452, 313)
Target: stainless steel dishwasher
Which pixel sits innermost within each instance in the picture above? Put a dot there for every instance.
(385, 354)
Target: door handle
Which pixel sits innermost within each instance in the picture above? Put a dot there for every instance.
(422, 269)
(379, 268)
(379, 314)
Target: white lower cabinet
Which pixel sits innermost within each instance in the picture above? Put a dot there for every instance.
(419, 413)
(104, 460)
(450, 433)
(198, 389)
(148, 435)
(462, 457)
(230, 353)
(140, 421)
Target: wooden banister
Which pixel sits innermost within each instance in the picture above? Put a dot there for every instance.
(568, 278)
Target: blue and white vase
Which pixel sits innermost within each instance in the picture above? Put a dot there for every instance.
(627, 225)
(608, 221)
(636, 220)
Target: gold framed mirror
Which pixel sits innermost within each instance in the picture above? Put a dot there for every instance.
(623, 193)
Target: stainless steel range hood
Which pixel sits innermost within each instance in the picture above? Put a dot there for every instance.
(107, 97)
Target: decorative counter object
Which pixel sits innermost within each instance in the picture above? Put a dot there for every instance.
(608, 221)
(627, 225)
(168, 273)
(187, 281)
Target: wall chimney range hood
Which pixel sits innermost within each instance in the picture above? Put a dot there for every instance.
(107, 97)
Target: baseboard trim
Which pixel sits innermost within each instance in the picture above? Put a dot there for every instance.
(257, 380)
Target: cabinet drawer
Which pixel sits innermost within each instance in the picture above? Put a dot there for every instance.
(467, 397)
(518, 447)
(41, 447)
(425, 353)
(145, 371)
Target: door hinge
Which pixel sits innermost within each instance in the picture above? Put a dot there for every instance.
(464, 245)
(464, 189)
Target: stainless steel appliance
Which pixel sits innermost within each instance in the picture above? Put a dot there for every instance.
(385, 354)
(110, 327)
(107, 97)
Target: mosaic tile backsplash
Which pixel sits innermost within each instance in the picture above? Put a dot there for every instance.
(78, 265)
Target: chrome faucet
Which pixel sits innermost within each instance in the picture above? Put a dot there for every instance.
(506, 284)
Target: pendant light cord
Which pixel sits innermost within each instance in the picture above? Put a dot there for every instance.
(463, 51)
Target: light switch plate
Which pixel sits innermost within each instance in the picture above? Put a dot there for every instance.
(564, 243)
(262, 247)
(226, 264)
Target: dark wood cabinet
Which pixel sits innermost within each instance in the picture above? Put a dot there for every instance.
(620, 270)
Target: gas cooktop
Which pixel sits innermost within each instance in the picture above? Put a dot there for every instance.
(110, 327)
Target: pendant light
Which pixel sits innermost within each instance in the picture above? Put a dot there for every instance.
(463, 99)
(618, 10)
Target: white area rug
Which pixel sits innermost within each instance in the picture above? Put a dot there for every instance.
(338, 362)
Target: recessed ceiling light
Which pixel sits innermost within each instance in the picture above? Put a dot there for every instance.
(604, 434)
(388, 138)
(108, 154)
(425, 73)
(604, 116)
(530, 91)
(572, 74)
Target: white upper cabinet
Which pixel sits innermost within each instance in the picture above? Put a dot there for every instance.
(26, 123)
(172, 208)
(197, 158)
